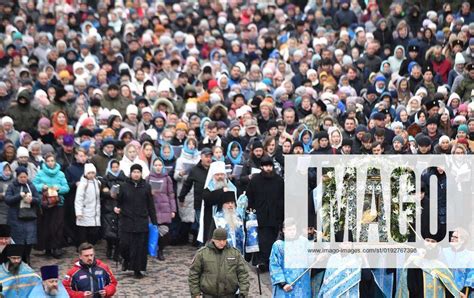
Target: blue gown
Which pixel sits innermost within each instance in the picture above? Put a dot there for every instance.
(19, 285)
(280, 274)
(342, 277)
(463, 277)
(38, 291)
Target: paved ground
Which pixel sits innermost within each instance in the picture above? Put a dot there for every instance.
(164, 279)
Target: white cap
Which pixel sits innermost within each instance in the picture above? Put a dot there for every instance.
(22, 152)
(88, 167)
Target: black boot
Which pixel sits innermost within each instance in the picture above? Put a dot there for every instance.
(109, 251)
(138, 274)
(116, 255)
(161, 256)
(48, 253)
(124, 265)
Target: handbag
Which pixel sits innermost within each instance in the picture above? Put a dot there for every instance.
(27, 213)
(50, 197)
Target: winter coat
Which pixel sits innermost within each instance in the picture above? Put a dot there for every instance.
(218, 273)
(64, 159)
(164, 198)
(81, 278)
(133, 126)
(22, 231)
(186, 211)
(196, 180)
(24, 116)
(100, 161)
(55, 106)
(137, 208)
(109, 220)
(30, 167)
(265, 195)
(3, 206)
(87, 203)
(442, 68)
(465, 88)
(119, 103)
(252, 163)
(52, 177)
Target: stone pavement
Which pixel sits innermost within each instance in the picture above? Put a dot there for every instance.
(164, 279)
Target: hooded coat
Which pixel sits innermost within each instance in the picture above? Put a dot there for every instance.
(395, 63)
(24, 116)
(58, 105)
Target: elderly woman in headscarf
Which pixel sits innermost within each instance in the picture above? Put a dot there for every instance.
(6, 178)
(413, 105)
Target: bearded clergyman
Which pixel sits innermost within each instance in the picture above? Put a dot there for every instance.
(16, 277)
(219, 198)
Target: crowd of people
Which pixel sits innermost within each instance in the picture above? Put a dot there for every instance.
(118, 115)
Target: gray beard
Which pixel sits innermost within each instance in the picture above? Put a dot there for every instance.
(231, 219)
(50, 291)
(220, 184)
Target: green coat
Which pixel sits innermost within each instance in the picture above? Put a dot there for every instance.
(24, 116)
(119, 103)
(53, 107)
(465, 87)
(218, 273)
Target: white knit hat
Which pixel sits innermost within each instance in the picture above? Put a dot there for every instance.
(22, 152)
(88, 167)
(7, 119)
(459, 59)
(132, 109)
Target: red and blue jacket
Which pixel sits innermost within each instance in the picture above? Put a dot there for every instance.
(82, 278)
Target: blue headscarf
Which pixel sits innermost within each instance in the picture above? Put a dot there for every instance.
(306, 146)
(189, 151)
(171, 152)
(109, 168)
(201, 126)
(238, 159)
(163, 169)
(2, 168)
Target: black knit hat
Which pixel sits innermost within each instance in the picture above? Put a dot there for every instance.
(136, 167)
